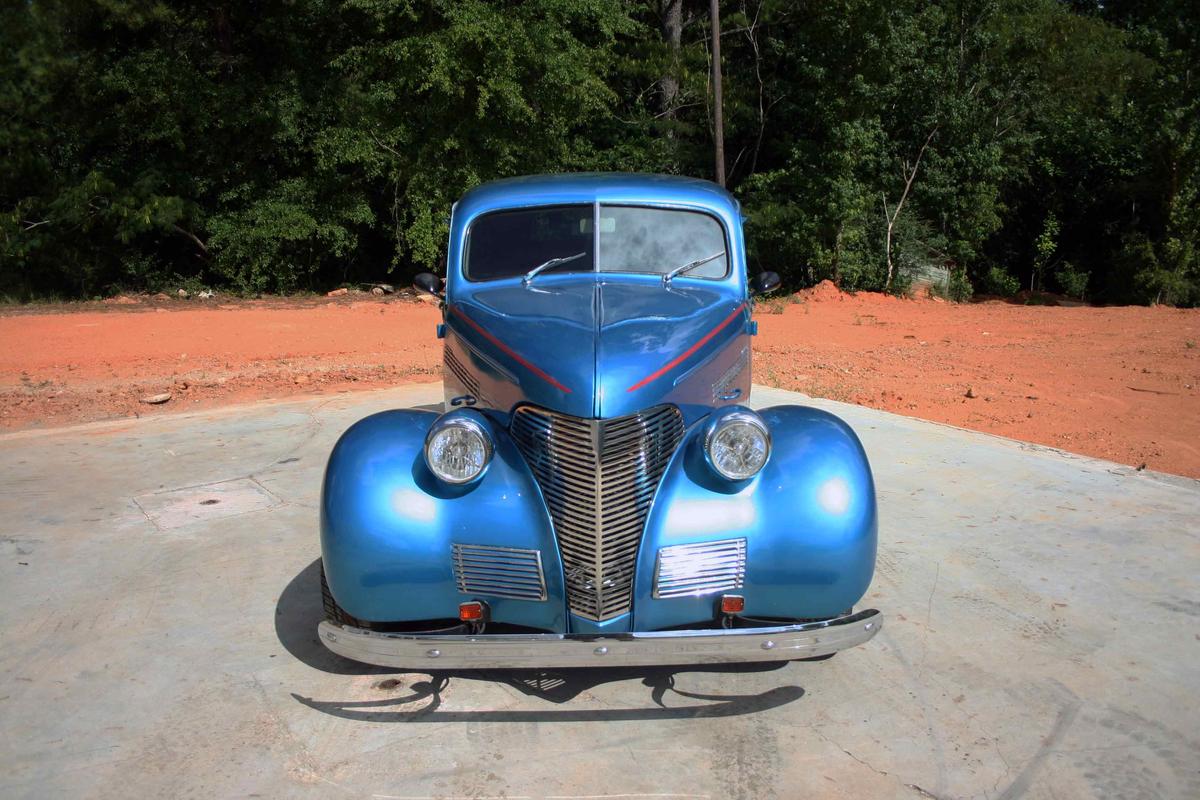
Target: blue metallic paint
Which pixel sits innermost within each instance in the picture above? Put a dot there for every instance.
(809, 519)
(599, 336)
(644, 326)
(387, 524)
(613, 189)
(809, 516)
(550, 325)
(602, 331)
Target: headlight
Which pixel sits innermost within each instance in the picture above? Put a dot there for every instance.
(457, 449)
(737, 444)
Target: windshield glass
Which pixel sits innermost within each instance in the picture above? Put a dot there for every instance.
(657, 240)
(507, 244)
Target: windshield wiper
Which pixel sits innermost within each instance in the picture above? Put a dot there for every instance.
(554, 262)
(688, 267)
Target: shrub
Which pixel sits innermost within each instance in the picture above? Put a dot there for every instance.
(999, 281)
(959, 289)
(1073, 282)
(902, 283)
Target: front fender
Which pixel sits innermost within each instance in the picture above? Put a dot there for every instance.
(387, 525)
(809, 521)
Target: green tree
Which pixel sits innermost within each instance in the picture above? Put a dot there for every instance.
(297, 144)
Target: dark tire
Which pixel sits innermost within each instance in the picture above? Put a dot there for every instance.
(334, 612)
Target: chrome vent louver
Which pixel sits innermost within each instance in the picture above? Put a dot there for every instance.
(697, 569)
(464, 376)
(599, 479)
(498, 571)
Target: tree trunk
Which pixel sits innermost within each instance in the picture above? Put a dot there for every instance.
(911, 175)
(887, 247)
(223, 30)
(671, 27)
(195, 239)
(752, 37)
(837, 251)
(718, 115)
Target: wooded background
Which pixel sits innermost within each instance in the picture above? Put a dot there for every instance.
(285, 145)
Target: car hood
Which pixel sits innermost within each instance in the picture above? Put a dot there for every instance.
(596, 347)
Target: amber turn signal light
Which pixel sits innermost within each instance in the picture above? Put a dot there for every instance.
(470, 612)
(732, 604)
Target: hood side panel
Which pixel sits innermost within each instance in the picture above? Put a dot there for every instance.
(599, 347)
(687, 345)
(542, 338)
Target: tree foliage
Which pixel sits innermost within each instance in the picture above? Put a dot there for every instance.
(283, 145)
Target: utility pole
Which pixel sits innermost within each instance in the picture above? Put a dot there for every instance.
(718, 117)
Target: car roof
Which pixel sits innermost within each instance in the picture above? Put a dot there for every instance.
(590, 187)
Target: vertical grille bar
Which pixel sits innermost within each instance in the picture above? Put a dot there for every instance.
(598, 478)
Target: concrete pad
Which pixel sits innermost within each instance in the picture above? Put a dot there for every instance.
(1041, 638)
(176, 508)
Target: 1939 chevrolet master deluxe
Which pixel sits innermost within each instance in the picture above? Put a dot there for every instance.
(595, 492)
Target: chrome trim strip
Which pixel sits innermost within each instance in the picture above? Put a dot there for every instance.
(721, 387)
(492, 363)
(459, 371)
(545, 650)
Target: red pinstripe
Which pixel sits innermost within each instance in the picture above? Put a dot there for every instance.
(680, 358)
(511, 353)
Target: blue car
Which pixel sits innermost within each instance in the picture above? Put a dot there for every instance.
(596, 492)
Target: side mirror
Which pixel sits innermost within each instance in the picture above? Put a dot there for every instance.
(428, 283)
(764, 282)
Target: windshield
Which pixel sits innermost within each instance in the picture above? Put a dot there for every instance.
(507, 244)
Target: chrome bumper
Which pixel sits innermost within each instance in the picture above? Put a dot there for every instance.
(537, 650)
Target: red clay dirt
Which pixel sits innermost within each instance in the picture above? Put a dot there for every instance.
(1117, 383)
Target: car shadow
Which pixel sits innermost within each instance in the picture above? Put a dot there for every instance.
(300, 609)
(296, 616)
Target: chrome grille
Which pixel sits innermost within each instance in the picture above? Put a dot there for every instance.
(702, 568)
(598, 478)
(498, 571)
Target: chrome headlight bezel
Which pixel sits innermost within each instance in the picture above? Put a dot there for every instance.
(724, 421)
(458, 421)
